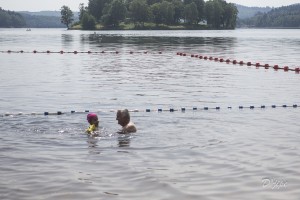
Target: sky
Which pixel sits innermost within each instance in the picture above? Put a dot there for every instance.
(42, 5)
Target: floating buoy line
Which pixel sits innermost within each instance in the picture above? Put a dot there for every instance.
(158, 110)
(236, 62)
(81, 52)
(208, 58)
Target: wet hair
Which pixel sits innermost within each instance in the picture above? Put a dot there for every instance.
(124, 114)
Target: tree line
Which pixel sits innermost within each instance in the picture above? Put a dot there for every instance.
(215, 14)
(40, 21)
(285, 17)
(10, 19)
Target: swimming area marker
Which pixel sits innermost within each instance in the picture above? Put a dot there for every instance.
(158, 110)
(235, 62)
(202, 57)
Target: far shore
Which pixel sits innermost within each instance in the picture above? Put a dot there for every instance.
(150, 26)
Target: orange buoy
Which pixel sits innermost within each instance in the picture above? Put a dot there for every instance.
(61, 52)
(75, 52)
(257, 64)
(234, 61)
(211, 58)
(216, 59)
(196, 56)
(221, 60)
(227, 60)
(192, 55)
(241, 62)
(34, 51)
(249, 63)
(205, 57)
(286, 68)
(276, 67)
(297, 69)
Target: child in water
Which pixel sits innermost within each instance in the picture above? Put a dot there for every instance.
(92, 118)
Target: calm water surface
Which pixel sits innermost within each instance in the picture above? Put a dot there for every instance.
(226, 154)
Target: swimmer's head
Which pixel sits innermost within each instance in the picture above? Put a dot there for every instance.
(123, 117)
(92, 118)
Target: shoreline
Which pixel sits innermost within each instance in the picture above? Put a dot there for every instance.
(144, 29)
(180, 29)
(150, 26)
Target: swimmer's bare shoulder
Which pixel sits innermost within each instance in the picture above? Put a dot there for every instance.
(129, 128)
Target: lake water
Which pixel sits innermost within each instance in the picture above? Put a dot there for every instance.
(204, 154)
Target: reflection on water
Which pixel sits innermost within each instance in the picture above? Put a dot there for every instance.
(98, 139)
(67, 40)
(220, 43)
(124, 140)
(94, 39)
(92, 141)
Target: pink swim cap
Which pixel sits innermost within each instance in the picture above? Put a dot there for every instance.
(91, 116)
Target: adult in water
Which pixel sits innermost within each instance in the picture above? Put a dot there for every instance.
(123, 118)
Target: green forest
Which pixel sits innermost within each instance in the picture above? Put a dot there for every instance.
(159, 14)
(10, 19)
(283, 17)
(143, 14)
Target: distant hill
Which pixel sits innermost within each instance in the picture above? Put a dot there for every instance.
(248, 12)
(38, 21)
(10, 19)
(283, 17)
(44, 19)
(43, 13)
(47, 13)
